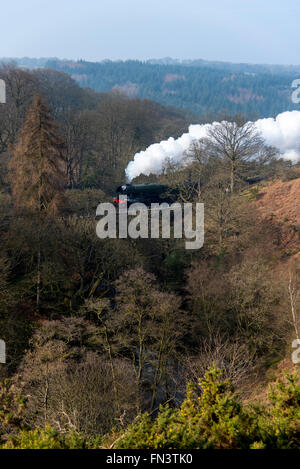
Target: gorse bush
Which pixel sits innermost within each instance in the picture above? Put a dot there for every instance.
(279, 425)
(212, 417)
(49, 439)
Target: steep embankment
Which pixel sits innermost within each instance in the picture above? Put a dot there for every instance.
(279, 204)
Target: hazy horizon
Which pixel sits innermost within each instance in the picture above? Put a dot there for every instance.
(180, 60)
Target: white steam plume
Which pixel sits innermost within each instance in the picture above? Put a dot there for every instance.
(283, 132)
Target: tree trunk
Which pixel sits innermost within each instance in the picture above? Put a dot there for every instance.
(232, 176)
(38, 280)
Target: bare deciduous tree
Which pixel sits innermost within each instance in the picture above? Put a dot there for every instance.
(235, 143)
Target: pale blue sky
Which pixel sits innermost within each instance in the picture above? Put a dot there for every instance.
(257, 31)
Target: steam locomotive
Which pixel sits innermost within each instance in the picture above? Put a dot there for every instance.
(146, 194)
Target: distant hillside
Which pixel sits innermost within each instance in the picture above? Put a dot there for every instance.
(200, 86)
(200, 89)
(232, 67)
(27, 62)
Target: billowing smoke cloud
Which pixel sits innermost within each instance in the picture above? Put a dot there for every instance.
(283, 132)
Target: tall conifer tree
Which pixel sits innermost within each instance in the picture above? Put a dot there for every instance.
(37, 171)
